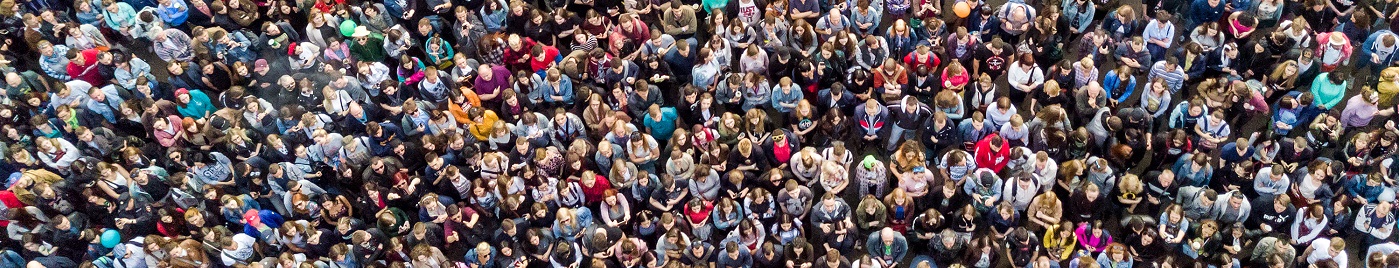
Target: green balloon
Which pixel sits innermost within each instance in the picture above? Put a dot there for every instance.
(347, 27)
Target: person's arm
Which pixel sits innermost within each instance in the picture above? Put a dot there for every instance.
(1036, 78)
(1363, 222)
(1339, 13)
(1087, 19)
(1307, 236)
(1308, 252)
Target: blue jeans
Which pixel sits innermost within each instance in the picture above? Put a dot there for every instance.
(895, 133)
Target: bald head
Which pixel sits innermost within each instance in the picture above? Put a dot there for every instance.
(13, 79)
(484, 72)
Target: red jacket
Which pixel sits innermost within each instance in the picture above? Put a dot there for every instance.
(88, 71)
(985, 158)
(10, 201)
(512, 57)
(538, 64)
(594, 194)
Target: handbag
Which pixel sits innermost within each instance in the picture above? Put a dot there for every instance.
(1206, 143)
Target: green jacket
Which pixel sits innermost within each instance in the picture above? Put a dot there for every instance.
(370, 51)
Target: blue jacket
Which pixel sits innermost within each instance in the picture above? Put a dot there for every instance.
(1369, 47)
(471, 258)
(1201, 12)
(896, 250)
(495, 21)
(1182, 113)
(564, 90)
(174, 14)
(1357, 187)
(234, 54)
(779, 98)
(1116, 89)
(1290, 117)
(1184, 176)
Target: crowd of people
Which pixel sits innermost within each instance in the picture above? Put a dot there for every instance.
(698, 133)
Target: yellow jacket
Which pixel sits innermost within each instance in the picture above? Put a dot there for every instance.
(482, 130)
(34, 176)
(1065, 245)
(1388, 86)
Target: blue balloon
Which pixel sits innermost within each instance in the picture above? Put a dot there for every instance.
(110, 238)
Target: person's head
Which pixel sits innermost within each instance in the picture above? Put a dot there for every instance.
(1117, 252)
(731, 248)
(1338, 245)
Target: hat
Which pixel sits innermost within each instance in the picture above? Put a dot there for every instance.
(988, 179)
(251, 217)
(360, 31)
(1338, 39)
(181, 91)
(868, 162)
(260, 64)
(158, 172)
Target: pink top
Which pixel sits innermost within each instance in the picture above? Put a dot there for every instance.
(1238, 27)
(956, 80)
(1098, 244)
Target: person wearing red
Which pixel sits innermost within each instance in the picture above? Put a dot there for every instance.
(992, 152)
(633, 30)
(8, 200)
(517, 53)
(543, 57)
(82, 65)
(922, 56)
(594, 186)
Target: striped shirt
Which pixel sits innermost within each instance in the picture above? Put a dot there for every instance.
(1174, 78)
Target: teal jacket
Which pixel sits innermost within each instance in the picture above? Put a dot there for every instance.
(1327, 94)
(199, 105)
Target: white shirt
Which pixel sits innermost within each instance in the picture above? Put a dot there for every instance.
(1321, 250)
(1385, 248)
(1382, 52)
(1330, 55)
(244, 251)
(1019, 77)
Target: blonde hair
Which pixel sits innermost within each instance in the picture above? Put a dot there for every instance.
(745, 145)
(1130, 183)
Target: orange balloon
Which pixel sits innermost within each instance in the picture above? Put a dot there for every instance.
(962, 9)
